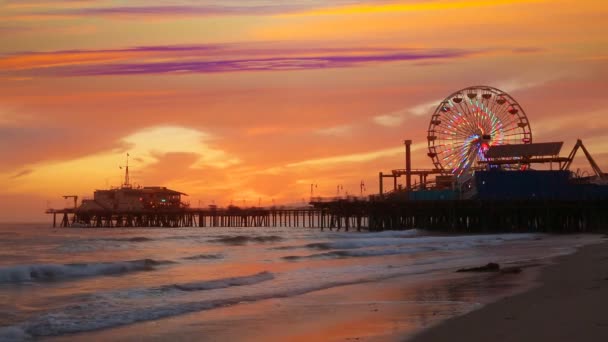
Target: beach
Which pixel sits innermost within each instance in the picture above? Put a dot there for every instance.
(568, 304)
(239, 284)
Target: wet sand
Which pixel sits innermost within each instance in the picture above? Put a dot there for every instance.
(378, 311)
(569, 305)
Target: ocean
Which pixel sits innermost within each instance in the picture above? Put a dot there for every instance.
(251, 283)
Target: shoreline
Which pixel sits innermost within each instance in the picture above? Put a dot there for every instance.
(567, 303)
(385, 310)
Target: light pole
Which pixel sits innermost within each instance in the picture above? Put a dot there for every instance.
(312, 191)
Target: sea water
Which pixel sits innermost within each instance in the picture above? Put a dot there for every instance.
(62, 281)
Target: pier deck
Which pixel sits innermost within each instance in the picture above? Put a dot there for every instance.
(378, 215)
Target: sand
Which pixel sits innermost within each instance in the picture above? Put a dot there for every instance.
(571, 304)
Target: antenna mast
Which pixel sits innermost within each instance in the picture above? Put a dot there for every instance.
(127, 185)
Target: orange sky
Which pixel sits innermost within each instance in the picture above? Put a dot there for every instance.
(255, 100)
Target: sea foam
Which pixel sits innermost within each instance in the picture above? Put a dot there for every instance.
(48, 272)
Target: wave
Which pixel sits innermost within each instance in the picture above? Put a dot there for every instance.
(127, 239)
(384, 234)
(367, 248)
(359, 253)
(397, 240)
(102, 315)
(204, 257)
(359, 240)
(243, 239)
(49, 272)
(223, 283)
(353, 244)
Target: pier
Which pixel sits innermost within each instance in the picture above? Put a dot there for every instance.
(305, 217)
(480, 143)
(557, 216)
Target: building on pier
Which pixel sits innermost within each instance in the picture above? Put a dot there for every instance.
(127, 198)
(134, 199)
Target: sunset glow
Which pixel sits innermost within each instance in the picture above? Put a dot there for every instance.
(250, 102)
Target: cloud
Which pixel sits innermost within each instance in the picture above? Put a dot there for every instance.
(152, 142)
(392, 119)
(513, 85)
(84, 8)
(424, 108)
(187, 147)
(22, 173)
(353, 158)
(392, 6)
(396, 118)
(281, 62)
(192, 9)
(335, 131)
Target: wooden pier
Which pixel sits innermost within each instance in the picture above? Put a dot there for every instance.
(305, 217)
(374, 215)
(550, 216)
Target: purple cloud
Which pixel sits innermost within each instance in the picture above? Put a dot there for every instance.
(228, 58)
(21, 173)
(211, 8)
(260, 64)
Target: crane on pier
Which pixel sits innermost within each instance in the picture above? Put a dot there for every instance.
(75, 199)
(596, 169)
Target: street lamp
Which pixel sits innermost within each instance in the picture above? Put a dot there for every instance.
(312, 187)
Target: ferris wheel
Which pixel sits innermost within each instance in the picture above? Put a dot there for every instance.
(468, 122)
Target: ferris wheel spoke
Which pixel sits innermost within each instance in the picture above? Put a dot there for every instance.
(462, 153)
(456, 131)
(511, 129)
(467, 115)
(473, 119)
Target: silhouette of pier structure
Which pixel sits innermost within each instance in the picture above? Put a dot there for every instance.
(303, 217)
(376, 214)
(483, 181)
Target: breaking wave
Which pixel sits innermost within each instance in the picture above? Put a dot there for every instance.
(102, 314)
(204, 257)
(223, 283)
(243, 239)
(49, 272)
(359, 253)
(353, 244)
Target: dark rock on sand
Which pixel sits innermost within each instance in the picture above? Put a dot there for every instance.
(490, 267)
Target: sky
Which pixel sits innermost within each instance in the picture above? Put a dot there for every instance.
(252, 101)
